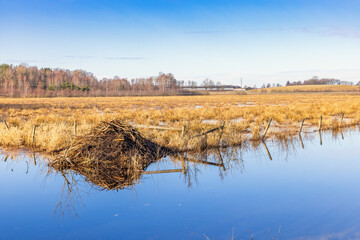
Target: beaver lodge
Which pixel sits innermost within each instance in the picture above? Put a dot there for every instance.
(112, 155)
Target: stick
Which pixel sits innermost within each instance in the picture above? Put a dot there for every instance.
(221, 131)
(204, 142)
(301, 125)
(34, 158)
(221, 159)
(33, 135)
(156, 127)
(183, 165)
(320, 123)
(267, 128)
(75, 127)
(267, 150)
(203, 162)
(183, 131)
(301, 141)
(7, 126)
(210, 131)
(341, 119)
(163, 171)
(320, 138)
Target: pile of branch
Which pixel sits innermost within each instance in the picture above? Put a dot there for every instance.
(112, 155)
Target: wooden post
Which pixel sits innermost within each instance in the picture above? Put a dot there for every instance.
(301, 141)
(221, 160)
(301, 125)
(221, 131)
(320, 138)
(33, 135)
(183, 130)
(320, 123)
(6, 125)
(204, 142)
(75, 127)
(267, 128)
(153, 127)
(203, 162)
(34, 158)
(267, 150)
(163, 171)
(183, 165)
(204, 133)
(341, 119)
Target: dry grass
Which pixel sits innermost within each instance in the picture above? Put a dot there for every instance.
(245, 117)
(308, 88)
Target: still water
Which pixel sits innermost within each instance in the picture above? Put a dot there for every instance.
(302, 193)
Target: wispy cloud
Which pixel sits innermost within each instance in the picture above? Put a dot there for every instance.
(81, 57)
(307, 71)
(334, 32)
(106, 58)
(124, 58)
(330, 31)
(21, 61)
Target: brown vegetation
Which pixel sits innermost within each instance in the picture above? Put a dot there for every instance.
(245, 117)
(112, 155)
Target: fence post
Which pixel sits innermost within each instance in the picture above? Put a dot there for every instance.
(342, 118)
(6, 125)
(33, 134)
(183, 130)
(320, 123)
(267, 128)
(75, 127)
(204, 142)
(267, 150)
(301, 141)
(221, 131)
(301, 125)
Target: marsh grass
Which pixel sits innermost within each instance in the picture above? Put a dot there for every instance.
(246, 117)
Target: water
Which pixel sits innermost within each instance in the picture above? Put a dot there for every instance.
(309, 193)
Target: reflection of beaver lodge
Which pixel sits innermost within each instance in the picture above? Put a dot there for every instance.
(112, 156)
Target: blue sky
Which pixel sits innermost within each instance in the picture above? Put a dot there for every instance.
(259, 40)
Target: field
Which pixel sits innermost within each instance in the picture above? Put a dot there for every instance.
(308, 88)
(50, 124)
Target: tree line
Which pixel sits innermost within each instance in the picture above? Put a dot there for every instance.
(320, 81)
(25, 81)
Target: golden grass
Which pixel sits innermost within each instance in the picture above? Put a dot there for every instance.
(308, 88)
(245, 117)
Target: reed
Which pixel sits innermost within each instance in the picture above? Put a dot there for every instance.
(182, 117)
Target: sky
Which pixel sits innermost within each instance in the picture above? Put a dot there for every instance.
(259, 41)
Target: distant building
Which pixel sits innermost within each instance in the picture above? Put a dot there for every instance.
(213, 88)
(239, 89)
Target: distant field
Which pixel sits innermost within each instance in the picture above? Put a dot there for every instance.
(245, 115)
(308, 88)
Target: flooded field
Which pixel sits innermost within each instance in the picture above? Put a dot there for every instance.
(305, 189)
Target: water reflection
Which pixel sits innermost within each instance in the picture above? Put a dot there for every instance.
(186, 164)
(256, 195)
(225, 159)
